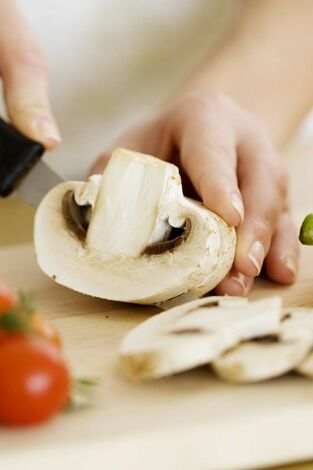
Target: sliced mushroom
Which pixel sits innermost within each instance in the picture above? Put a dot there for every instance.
(131, 235)
(306, 366)
(305, 325)
(195, 334)
(273, 356)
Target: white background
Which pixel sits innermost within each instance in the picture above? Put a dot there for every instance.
(112, 62)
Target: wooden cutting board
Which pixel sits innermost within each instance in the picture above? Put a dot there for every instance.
(190, 421)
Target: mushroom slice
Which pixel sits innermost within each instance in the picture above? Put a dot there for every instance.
(270, 356)
(306, 366)
(305, 316)
(194, 334)
(130, 235)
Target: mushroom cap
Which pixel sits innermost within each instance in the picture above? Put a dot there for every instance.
(132, 273)
(195, 334)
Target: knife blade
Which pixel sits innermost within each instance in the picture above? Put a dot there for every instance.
(178, 300)
(37, 183)
(21, 167)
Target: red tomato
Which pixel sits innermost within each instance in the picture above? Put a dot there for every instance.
(3, 337)
(34, 381)
(7, 299)
(42, 327)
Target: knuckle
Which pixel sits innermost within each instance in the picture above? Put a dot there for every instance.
(215, 181)
(281, 181)
(263, 227)
(18, 104)
(215, 99)
(258, 126)
(258, 130)
(272, 166)
(31, 57)
(279, 178)
(292, 229)
(204, 102)
(221, 153)
(215, 187)
(270, 169)
(36, 62)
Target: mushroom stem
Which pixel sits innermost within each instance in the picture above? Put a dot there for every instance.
(134, 196)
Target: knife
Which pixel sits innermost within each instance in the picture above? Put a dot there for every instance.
(178, 300)
(21, 167)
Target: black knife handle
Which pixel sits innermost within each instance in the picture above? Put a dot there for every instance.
(18, 154)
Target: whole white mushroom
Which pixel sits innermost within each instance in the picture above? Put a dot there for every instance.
(131, 235)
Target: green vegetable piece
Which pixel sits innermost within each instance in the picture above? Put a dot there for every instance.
(11, 321)
(306, 231)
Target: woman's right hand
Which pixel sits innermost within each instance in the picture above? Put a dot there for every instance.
(24, 75)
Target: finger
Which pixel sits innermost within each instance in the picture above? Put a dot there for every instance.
(235, 283)
(25, 79)
(283, 257)
(145, 137)
(208, 155)
(135, 139)
(263, 188)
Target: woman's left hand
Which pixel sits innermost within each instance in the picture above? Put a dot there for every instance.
(227, 158)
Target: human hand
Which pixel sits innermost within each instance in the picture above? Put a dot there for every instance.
(25, 78)
(226, 154)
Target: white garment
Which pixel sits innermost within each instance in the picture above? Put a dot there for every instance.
(114, 61)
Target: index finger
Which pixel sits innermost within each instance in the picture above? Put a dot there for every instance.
(208, 156)
(25, 78)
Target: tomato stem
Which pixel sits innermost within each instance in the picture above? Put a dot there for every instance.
(11, 321)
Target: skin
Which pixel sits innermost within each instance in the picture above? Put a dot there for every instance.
(24, 77)
(224, 127)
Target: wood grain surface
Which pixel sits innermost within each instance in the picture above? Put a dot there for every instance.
(189, 421)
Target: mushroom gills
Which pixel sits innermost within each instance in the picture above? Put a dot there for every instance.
(76, 217)
(175, 237)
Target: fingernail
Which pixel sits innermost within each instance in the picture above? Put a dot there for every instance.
(46, 131)
(241, 281)
(238, 205)
(256, 255)
(290, 264)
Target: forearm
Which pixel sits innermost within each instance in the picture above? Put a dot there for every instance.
(265, 64)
